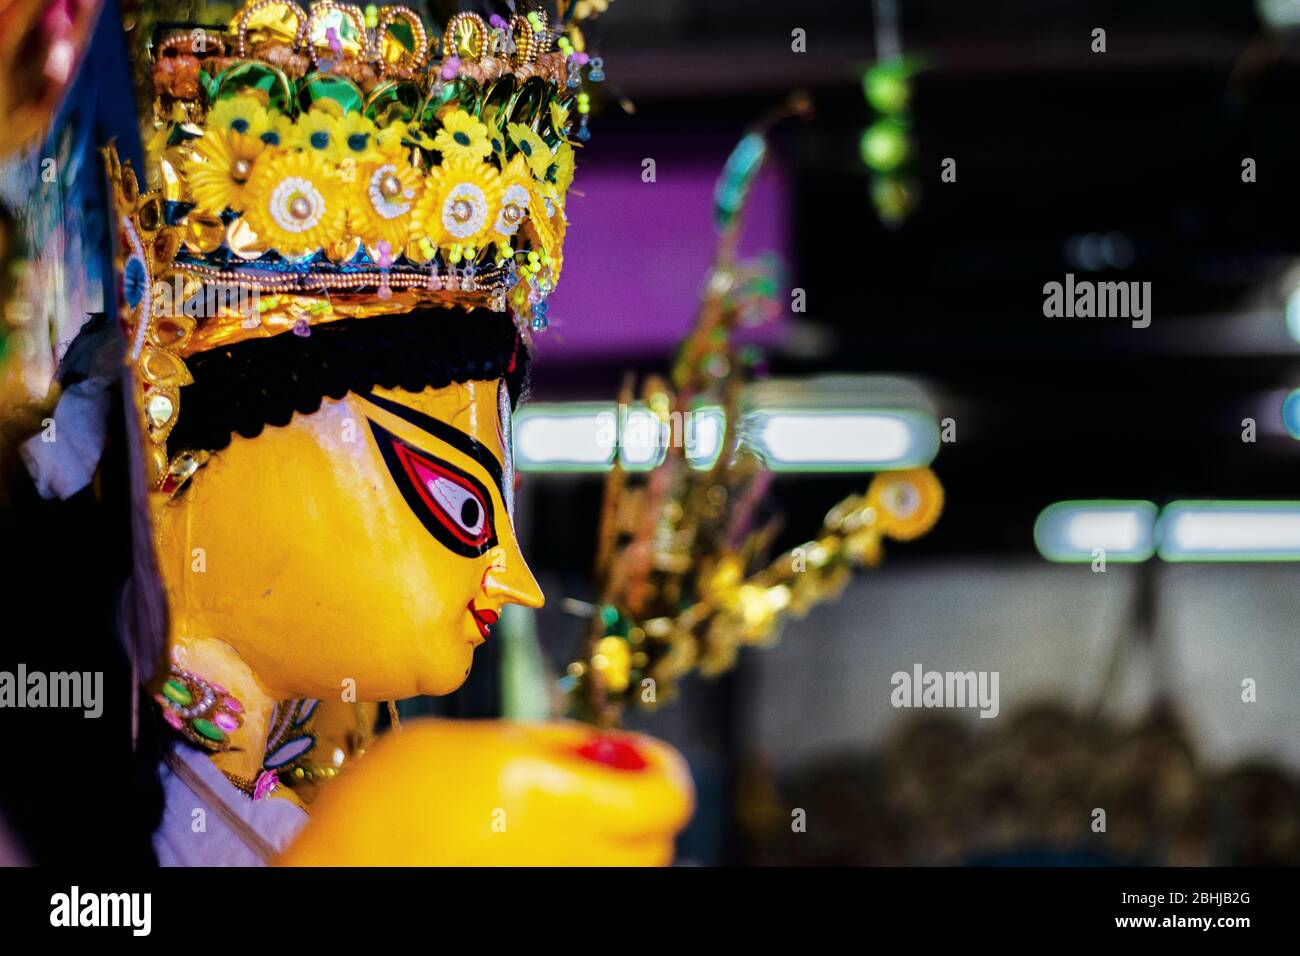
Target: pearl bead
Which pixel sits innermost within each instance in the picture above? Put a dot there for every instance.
(513, 213)
(461, 210)
(299, 207)
(240, 169)
(390, 186)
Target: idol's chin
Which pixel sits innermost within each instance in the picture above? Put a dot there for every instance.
(446, 679)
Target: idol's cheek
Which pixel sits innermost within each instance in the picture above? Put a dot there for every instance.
(441, 637)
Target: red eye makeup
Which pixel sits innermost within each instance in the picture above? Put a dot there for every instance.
(452, 504)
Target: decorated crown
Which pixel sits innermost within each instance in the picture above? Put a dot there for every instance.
(342, 163)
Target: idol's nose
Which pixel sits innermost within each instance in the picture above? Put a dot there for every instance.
(508, 579)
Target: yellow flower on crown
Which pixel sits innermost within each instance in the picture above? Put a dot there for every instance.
(220, 168)
(492, 120)
(246, 115)
(547, 219)
(235, 112)
(278, 130)
(356, 139)
(462, 137)
(548, 223)
(459, 204)
(559, 118)
(561, 169)
(296, 204)
(318, 131)
(533, 147)
(393, 141)
(382, 204)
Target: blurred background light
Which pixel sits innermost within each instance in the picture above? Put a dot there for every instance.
(1293, 314)
(884, 145)
(583, 437)
(563, 437)
(843, 440)
(640, 446)
(1073, 530)
(1291, 414)
(642, 439)
(1279, 14)
(1094, 251)
(1230, 531)
(866, 440)
(704, 442)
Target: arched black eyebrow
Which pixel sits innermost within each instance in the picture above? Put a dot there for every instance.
(450, 434)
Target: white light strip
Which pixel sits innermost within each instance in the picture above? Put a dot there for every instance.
(842, 439)
(1230, 531)
(642, 443)
(583, 437)
(1122, 531)
(569, 437)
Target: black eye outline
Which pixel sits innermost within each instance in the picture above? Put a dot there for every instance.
(400, 456)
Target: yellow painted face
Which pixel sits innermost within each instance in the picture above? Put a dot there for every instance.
(370, 541)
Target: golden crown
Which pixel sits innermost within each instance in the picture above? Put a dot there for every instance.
(311, 166)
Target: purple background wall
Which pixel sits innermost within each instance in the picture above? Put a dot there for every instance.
(637, 254)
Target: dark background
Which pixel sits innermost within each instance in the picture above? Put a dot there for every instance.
(1065, 157)
(1116, 166)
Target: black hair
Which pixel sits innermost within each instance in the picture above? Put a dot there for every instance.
(240, 389)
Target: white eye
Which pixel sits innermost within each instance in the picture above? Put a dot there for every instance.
(458, 503)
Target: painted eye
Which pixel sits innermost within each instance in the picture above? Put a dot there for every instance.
(450, 494)
(458, 503)
(452, 504)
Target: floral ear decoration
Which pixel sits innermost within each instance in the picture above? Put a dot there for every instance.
(205, 713)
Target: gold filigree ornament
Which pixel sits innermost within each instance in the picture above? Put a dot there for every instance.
(156, 331)
(334, 30)
(466, 37)
(683, 577)
(267, 22)
(401, 51)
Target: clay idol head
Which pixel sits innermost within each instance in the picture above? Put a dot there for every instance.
(329, 286)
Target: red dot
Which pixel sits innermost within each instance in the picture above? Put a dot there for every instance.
(613, 752)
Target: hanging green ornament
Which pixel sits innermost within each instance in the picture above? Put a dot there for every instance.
(894, 199)
(888, 85)
(884, 145)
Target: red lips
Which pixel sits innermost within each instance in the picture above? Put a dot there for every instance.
(483, 617)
